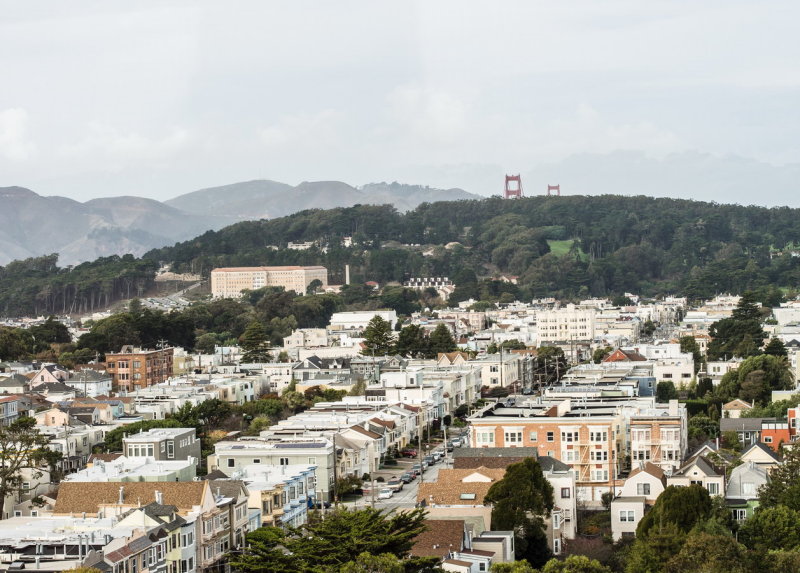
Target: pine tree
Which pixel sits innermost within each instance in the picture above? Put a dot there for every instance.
(441, 340)
(254, 343)
(378, 337)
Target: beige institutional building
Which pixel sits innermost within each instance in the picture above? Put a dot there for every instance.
(230, 282)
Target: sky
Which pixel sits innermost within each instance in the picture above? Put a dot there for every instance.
(156, 99)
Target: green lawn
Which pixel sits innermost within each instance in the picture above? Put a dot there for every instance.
(561, 248)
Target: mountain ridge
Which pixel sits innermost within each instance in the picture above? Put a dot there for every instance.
(33, 225)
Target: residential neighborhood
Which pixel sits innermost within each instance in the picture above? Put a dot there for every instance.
(607, 413)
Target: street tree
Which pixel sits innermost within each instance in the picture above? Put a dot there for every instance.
(520, 500)
(681, 506)
(23, 448)
(775, 347)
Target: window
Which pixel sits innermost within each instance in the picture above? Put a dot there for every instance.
(667, 375)
(170, 449)
(767, 439)
(231, 462)
(599, 475)
(551, 436)
(569, 456)
(34, 513)
(256, 460)
(642, 489)
(557, 546)
(284, 461)
(598, 436)
(599, 456)
(565, 493)
(513, 437)
(739, 514)
(713, 488)
(534, 436)
(626, 515)
(485, 437)
(748, 488)
(467, 496)
(312, 461)
(569, 437)
(641, 455)
(556, 521)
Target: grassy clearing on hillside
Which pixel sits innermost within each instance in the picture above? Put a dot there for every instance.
(561, 248)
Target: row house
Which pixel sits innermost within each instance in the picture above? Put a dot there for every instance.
(163, 444)
(55, 544)
(659, 436)
(501, 369)
(9, 409)
(75, 441)
(210, 512)
(230, 456)
(306, 338)
(281, 495)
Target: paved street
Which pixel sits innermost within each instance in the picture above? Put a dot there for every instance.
(407, 498)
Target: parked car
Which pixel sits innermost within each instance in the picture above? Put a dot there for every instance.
(437, 456)
(395, 484)
(417, 468)
(408, 453)
(385, 493)
(408, 477)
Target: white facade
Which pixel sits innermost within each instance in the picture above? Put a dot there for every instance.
(569, 323)
(358, 320)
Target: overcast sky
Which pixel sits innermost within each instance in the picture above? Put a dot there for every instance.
(160, 98)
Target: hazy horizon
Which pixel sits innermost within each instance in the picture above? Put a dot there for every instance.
(158, 99)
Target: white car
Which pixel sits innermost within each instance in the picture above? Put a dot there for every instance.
(385, 493)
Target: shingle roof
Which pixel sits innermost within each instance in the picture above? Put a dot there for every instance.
(440, 538)
(79, 497)
(650, 468)
(451, 489)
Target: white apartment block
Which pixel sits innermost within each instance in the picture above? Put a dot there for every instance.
(358, 320)
(569, 323)
(229, 282)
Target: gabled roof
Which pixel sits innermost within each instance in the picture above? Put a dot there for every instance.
(649, 468)
(737, 404)
(364, 432)
(762, 448)
(702, 464)
(620, 355)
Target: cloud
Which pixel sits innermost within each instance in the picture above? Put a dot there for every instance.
(428, 113)
(118, 149)
(14, 142)
(321, 128)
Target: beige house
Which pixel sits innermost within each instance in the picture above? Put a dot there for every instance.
(734, 408)
(647, 480)
(699, 470)
(626, 513)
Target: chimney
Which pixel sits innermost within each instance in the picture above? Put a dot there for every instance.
(159, 498)
(121, 494)
(347, 274)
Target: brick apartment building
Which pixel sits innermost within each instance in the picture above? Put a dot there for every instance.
(135, 368)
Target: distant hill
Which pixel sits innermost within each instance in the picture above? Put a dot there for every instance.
(265, 199)
(32, 225)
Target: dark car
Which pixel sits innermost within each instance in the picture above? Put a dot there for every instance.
(407, 477)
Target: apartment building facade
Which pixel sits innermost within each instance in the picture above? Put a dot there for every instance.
(134, 368)
(229, 282)
(569, 323)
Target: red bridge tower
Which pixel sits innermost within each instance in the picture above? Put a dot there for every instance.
(511, 189)
(556, 188)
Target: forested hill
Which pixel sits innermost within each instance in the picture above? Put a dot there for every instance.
(563, 246)
(558, 246)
